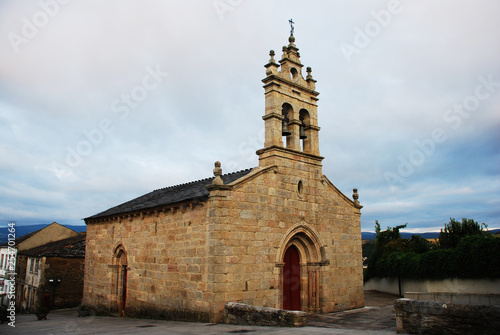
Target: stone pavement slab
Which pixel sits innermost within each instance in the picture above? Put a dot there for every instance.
(378, 314)
(368, 318)
(66, 322)
(375, 319)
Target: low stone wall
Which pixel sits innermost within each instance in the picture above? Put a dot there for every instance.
(452, 285)
(431, 317)
(457, 298)
(242, 314)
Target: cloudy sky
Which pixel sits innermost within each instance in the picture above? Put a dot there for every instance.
(103, 101)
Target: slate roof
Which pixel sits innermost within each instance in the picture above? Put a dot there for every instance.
(71, 247)
(170, 195)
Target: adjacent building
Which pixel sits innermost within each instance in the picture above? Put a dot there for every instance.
(27, 272)
(51, 273)
(7, 269)
(277, 235)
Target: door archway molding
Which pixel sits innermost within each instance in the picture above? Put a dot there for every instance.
(311, 258)
(307, 241)
(119, 278)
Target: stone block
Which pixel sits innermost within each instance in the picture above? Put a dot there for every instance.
(243, 314)
(428, 317)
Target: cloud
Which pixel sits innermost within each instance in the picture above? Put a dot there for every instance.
(374, 111)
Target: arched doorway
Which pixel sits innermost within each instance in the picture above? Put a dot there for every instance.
(291, 279)
(120, 278)
(300, 260)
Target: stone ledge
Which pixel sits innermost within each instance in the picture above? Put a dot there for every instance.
(457, 298)
(243, 314)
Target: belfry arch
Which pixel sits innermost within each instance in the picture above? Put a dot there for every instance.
(288, 115)
(305, 130)
(305, 242)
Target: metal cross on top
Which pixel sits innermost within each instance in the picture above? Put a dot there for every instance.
(291, 26)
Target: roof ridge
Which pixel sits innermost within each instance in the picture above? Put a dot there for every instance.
(199, 180)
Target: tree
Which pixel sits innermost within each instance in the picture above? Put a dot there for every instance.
(385, 242)
(389, 239)
(455, 230)
(419, 245)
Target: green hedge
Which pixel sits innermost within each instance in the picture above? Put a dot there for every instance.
(474, 257)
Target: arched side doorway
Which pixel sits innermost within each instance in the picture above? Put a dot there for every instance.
(120, 269)
(300, 261)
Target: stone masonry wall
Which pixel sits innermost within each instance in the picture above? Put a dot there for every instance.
(242, 314)
(69, 292)
(21, 265)
(167, 267)
(430, 317)
(250, 222)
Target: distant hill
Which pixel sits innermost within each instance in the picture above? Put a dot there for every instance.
(371, 236)
(23, 230)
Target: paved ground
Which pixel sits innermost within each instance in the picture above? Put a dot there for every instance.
(378, 314)
(375, 319)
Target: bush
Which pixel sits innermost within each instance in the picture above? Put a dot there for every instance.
(419, 245)
(474, 256)
(479, 256)
(438, 264)
(410, 265)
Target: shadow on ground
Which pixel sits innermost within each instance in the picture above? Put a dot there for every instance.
(378, 314)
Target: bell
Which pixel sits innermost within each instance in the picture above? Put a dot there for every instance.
(284, 128)
(302, 132)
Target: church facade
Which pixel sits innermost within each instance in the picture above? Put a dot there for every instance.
(279, 235)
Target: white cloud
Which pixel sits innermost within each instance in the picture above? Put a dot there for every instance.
(62, 83)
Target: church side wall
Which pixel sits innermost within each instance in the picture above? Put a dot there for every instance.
(167, 261)
(252, 222)
(342, 283)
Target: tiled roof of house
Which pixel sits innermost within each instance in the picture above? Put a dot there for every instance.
(72, 247)
(170, 195)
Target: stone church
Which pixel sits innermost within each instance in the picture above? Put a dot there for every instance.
(279, 235)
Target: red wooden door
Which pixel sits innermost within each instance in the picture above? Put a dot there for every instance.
(291, 280)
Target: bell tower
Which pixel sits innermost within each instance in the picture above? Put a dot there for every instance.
(291, 115)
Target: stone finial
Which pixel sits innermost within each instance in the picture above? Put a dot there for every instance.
(309, 75)
(271, 53)
(355, 196)
(217, 173)
(285, 52)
